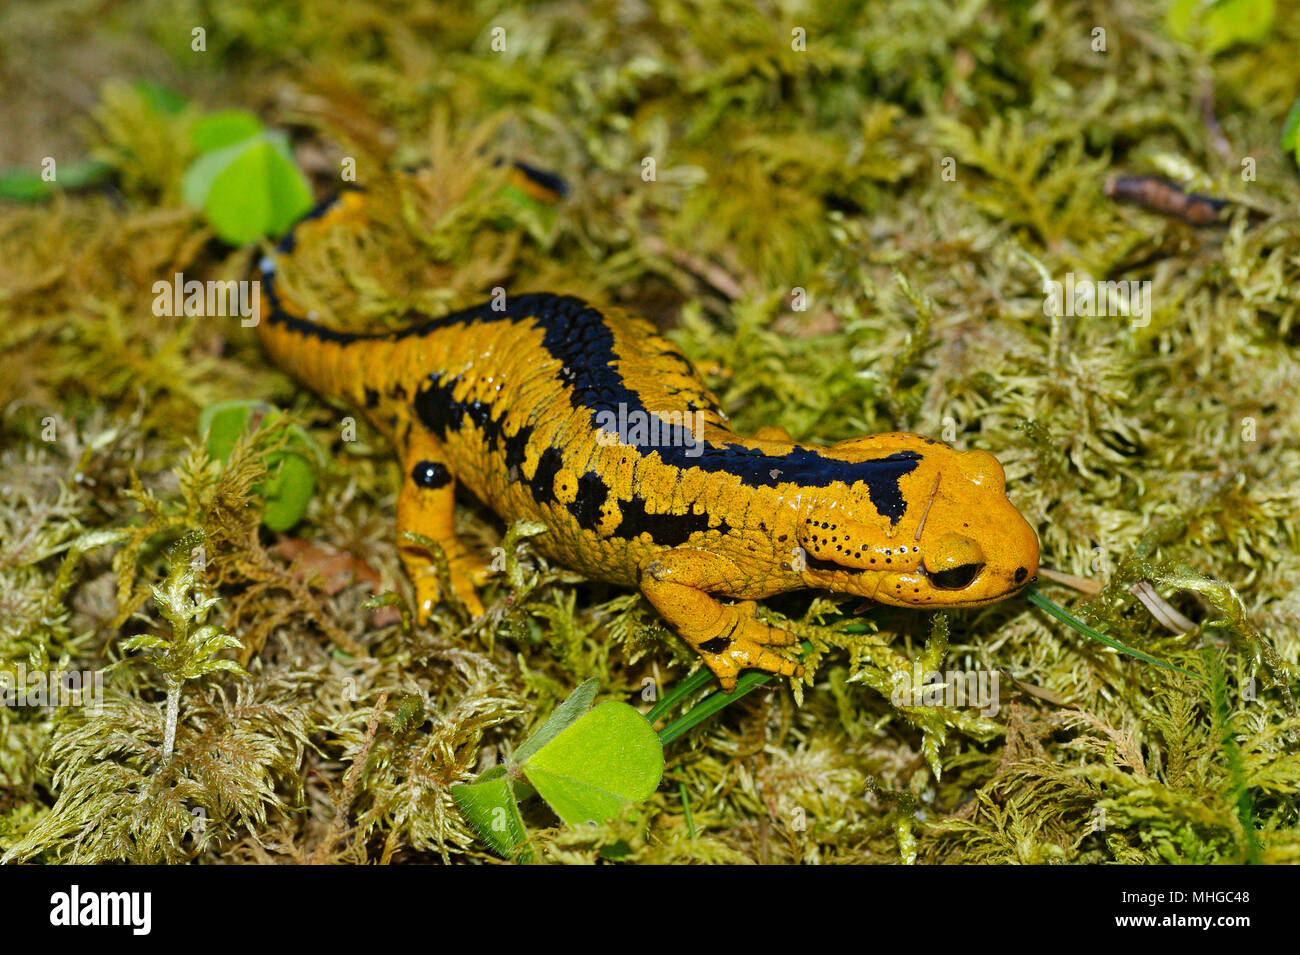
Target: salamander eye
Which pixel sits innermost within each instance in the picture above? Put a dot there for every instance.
(955, 578)
(952, 562)
(430, 474)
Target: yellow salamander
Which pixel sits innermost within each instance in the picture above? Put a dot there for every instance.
(591, 422)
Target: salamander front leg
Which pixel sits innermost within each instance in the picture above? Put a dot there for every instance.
(728, 636)
(426, 505)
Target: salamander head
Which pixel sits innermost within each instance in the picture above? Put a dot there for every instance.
(943, 534)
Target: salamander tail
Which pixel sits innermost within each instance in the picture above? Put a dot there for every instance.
(329, 361)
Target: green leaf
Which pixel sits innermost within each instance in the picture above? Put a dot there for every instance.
(204, 667)
(288, 492)
(577, 703)
(222, 423)
(489, 807)
(1220, 24)
(144, 642)
(291, 480)
(1291, 130)
(1178, 18)
(226, 128)
(249, 189)
(26, 185)
(608, 759)
(196, 184)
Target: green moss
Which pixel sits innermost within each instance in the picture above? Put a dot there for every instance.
(802, 243)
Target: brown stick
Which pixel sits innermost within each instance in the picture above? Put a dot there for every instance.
(1168, 198)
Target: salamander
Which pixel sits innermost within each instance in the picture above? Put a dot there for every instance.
(590, 421)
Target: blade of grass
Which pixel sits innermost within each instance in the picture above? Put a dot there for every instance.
(696, 681)
(1060, 614)
(686, 810)
(714, 702)
(711, 704)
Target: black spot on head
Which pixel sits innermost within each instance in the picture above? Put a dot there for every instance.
(1021, 574)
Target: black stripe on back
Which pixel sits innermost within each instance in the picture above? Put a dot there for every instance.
(579, 337)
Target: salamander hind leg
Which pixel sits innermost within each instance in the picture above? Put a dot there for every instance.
(727, 636)
(426, 505)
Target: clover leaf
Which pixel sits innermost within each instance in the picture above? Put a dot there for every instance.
(244, 180)
(588, 765)
(290, 479)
